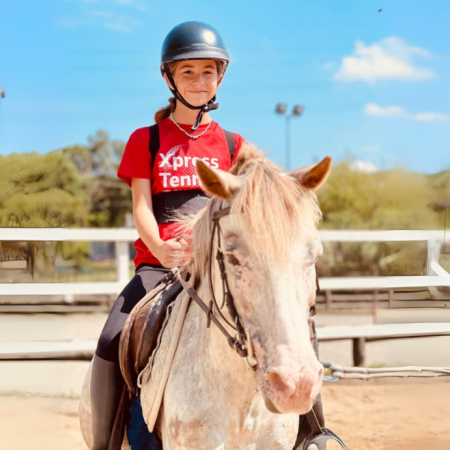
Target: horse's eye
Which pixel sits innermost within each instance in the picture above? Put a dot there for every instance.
(232, 259)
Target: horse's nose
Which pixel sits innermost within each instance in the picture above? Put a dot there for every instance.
(284, 384)
(281, 383)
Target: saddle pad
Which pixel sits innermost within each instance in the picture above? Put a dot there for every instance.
(153, 379)
(140, 334)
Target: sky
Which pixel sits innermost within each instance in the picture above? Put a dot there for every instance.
(374, 84)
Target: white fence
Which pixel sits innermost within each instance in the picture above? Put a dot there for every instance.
(436, 275)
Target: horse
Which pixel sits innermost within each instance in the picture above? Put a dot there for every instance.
(270, 245)
(214, 398)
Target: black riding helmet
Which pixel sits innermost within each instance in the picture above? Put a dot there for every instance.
(192, 40)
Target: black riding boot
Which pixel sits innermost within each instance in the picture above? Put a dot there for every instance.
(106, 389)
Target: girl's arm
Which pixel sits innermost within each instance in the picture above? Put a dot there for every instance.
(169, 253)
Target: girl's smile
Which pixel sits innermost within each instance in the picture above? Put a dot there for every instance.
(197, 80)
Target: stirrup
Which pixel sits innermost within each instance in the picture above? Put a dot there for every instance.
(320, 440)
(317, 439)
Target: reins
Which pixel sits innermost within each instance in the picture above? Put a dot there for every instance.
(209, 311)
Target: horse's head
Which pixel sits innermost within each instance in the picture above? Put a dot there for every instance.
(271, 245)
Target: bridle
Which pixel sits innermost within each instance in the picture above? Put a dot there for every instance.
(241, 343)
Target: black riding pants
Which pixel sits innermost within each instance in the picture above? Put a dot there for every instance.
(146, 278)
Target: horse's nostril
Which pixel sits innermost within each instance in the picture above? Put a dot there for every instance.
(280, 383)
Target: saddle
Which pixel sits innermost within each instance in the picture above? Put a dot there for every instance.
(142, 329)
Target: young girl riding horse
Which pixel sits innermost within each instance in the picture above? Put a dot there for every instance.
(159, 166)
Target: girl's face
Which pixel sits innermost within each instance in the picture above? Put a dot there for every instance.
(197, 80)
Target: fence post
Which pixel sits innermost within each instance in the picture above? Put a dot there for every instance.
(328, 299)
(433, 253)
(430, 251)
(391, 298)
(359, 354)
(123, 263)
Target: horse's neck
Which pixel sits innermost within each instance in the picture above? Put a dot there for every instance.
(220, 365)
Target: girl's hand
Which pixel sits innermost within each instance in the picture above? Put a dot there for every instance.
(170, 253)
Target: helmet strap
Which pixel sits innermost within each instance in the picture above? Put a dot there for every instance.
(203, 109)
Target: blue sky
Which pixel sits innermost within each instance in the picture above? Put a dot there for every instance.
(374, 85)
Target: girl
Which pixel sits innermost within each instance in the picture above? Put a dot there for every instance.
(159, 166)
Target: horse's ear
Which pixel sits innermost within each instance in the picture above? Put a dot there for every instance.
(215, 182)
(313, 176)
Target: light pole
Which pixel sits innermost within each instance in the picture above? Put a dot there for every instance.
(296, 112)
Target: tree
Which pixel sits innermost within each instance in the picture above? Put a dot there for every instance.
(39, 191)
(394, 199)
(110, 198)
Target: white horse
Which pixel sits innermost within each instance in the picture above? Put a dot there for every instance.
(271, 244)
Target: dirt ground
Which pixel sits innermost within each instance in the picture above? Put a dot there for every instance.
(405, 415)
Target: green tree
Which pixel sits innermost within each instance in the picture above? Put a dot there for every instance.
(110, 198)
(394, 199)
(39, 191)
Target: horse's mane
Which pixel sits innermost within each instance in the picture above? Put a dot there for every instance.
(270, 205)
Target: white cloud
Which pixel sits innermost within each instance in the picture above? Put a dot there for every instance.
(389, 59)
(431, 117)
(373, 109)
(364, 167)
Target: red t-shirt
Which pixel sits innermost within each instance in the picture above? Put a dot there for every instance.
(174, 168)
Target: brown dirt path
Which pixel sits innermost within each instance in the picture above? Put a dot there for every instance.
(407, 415)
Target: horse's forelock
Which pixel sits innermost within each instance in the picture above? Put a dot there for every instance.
(275, 210)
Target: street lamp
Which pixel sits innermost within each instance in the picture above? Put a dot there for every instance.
(296, 112)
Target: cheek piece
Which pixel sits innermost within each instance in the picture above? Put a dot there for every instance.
(211, 105)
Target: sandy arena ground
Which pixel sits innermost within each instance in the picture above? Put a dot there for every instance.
(408, 415)
(377, 415)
